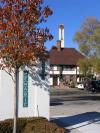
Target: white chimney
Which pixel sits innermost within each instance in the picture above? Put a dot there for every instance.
(61, 35)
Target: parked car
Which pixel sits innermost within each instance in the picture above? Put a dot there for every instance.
(95, 84)
(80, 85)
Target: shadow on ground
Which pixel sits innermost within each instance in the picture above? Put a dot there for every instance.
(73, 98)
(56, 103)
(87, 118)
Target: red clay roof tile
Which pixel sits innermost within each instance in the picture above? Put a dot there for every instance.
(67, 56)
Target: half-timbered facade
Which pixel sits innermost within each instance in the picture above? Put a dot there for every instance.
(63, 62)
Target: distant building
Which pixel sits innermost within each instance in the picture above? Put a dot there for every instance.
(63, 62)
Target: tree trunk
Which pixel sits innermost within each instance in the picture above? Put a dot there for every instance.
(16, 88)
(76, 75)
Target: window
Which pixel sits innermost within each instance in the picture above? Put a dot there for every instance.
(68, 68)
(54, 67)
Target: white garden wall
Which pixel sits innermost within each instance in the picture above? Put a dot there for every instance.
(38, 95)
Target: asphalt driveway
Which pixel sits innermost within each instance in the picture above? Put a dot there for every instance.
(76, 110)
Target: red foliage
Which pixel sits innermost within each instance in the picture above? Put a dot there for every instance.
(21, 42)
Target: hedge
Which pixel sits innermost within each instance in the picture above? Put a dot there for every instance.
(30, 125)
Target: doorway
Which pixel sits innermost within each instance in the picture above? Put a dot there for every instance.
(55, 83)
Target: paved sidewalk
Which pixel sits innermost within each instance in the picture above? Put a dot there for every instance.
(75, 124)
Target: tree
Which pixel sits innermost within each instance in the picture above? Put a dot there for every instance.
(21, 39)
(96, 66)
(89, 66)
(85, 67)
(88, 37)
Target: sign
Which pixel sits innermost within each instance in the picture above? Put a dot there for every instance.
(25, 88)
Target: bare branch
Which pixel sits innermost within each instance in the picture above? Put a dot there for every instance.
(10, 75)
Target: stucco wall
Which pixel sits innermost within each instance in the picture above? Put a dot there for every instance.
(6, 96)
(38, 95)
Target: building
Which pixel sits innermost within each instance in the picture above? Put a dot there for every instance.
(63, 62)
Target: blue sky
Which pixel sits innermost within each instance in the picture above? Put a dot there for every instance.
(72, 14)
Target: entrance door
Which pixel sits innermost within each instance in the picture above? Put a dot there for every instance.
(55, 81)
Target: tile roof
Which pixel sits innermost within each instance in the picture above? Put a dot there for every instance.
(67, 56)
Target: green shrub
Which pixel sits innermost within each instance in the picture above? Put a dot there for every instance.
(30, 125)
(72, 84)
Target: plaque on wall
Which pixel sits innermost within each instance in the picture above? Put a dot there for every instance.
(25, 88)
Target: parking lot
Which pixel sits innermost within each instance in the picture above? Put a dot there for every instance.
(77, 110)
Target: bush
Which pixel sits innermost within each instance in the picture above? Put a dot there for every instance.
(30, 125)
(7, 125)
(72, 84)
